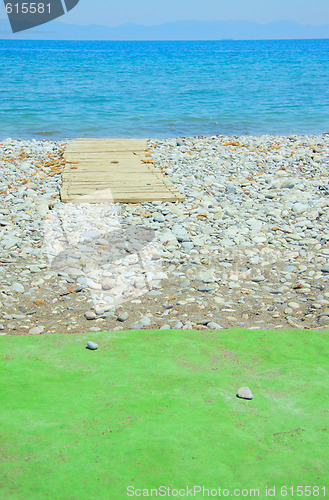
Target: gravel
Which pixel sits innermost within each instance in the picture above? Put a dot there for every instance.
(249, 246)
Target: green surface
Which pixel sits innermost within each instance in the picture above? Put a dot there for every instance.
(159, 408)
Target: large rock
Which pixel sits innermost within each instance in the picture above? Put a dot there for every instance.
(244, 393)
(91, 345)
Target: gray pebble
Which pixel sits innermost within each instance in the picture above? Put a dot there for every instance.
(107, 315)
(293, 305)
(324, 313)
(136, 326)
(206, 276)
(290, 269)
(99, 312)
(230, 189)
(287, 184)
(185, 284)
(34, 269)
(258, 279)
(90, 315)
(203, 321)
(214, 326)
(91, 345)
(91, 234)
(187, 246)
(123, 316)
(158, 218)
(36, 330)
(17, 287)
(180, 233)
(82, 280)
(145, 321)
(299, 208)
(205, 288)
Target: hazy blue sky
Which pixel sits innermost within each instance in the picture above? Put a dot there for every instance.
(113, 13)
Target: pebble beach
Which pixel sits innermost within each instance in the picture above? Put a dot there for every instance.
(249, 246)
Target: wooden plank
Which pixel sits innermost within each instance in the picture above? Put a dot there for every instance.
(109, 170)
(109, 196)
(111, 143)
(131, 176)
(108, 164)
(118, 182)
(114, 141)
(82, 154)
(103, 171)
(106, 145)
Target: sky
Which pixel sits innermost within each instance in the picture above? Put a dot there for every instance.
(148, 12)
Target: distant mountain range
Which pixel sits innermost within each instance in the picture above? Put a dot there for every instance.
(182, 30)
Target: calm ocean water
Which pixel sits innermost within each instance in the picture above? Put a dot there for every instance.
(59, 89)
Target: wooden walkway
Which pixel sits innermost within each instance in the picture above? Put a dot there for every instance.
(119, 170)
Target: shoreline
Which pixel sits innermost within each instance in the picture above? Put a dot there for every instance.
(248, 248)
(66, 140)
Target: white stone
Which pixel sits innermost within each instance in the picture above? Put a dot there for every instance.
(245, 393)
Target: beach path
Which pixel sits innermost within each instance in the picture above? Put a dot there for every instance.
(119, 170)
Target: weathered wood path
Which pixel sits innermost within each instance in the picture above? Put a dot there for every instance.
(118, 170)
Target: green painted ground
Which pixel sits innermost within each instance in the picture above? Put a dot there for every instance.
(151, 409)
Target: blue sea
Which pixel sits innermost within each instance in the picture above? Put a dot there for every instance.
(67, 89)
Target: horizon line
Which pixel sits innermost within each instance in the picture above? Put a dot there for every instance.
(168, 40)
